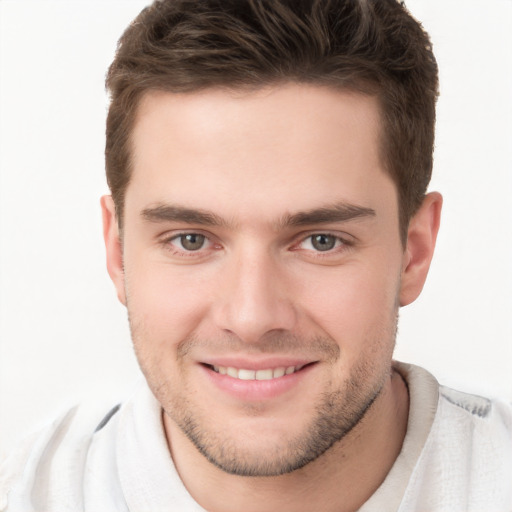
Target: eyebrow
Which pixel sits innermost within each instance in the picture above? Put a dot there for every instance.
(339, 212)
(171, 213)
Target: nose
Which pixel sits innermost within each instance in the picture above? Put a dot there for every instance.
(253, 298)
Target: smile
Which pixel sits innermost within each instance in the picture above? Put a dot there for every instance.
(257, 381)
(265, 374)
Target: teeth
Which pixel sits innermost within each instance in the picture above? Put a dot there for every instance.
(267, 374)
(232, 372)
(245, 374)
(279, 372)
(264, 375)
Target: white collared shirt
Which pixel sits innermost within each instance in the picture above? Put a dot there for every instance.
(456, 457)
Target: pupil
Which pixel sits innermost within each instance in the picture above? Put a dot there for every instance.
(192, 242)
(323, 242)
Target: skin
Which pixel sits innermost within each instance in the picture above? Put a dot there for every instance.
(258, 174)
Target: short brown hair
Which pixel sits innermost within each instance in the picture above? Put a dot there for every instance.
(371, 46)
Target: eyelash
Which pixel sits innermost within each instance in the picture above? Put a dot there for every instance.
(343, 243)
(168, 245)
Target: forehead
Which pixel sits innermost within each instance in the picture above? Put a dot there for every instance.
(273, 148)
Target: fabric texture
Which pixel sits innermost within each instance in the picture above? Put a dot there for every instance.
(456, 457)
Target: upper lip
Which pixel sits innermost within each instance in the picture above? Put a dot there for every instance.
(256, 364)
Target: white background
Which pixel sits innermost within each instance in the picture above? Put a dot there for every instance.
(64, 337)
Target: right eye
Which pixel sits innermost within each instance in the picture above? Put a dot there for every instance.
(322, 242)
(189, 241)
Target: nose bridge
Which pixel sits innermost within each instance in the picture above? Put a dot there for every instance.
(253, 298)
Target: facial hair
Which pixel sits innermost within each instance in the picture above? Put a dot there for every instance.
(335, 415)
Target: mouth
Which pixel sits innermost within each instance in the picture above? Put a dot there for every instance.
(256, 381)
(262, 374)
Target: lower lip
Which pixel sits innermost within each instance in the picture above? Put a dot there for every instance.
(256, 390)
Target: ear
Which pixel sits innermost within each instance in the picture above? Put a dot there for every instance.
(421, 241)
(113, 246)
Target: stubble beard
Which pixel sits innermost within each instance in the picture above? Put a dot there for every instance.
(335, 417)
(337, 413)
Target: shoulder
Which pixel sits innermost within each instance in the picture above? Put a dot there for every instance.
(102, 459)
(476, 426)
(446, 409)
(466, 461)
(482, 423)
(493, 413)
(56, 453)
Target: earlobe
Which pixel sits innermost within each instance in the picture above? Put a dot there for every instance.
(421, 241)
(113, 246)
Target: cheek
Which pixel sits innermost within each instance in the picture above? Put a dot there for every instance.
(353, 303)
(167, 306)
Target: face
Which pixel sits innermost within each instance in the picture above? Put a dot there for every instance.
(262, 269)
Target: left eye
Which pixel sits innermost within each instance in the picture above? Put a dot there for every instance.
(190, 241)
(321, 242)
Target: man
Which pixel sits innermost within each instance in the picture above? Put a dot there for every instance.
(268, 163)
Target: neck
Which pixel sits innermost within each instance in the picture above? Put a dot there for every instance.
(342, 479)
